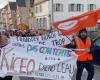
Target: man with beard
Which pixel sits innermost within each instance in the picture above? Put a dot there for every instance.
(82, 43)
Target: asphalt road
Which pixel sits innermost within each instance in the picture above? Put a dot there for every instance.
(96, 76)
(97, 73)
(84, 76)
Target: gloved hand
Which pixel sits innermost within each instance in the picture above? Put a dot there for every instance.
(87, 50)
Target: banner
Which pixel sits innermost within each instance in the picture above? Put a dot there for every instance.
(27, 59)
(75, 24)
(54, 38)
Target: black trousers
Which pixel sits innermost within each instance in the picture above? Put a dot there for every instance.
(6, 78)
(88, 65)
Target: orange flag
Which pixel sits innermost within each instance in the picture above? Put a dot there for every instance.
(20, 24)
(72, 25)
(22, 27)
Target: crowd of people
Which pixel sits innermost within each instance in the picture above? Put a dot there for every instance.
(18, 33)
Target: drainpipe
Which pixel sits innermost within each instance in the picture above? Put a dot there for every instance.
(52, 14)
(52, 11)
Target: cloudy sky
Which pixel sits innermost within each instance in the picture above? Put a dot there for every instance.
(4, 2)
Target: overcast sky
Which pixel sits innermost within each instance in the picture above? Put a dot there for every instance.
(4, 2)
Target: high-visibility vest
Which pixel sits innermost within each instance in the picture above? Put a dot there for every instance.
(83, 55)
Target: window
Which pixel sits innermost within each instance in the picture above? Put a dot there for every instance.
(31, 3)
(91, 6)
(21, 3)
(40, 22)
(44, 22)
(58, 7)
(40, 8)
(75, 7)
(79, 7)
(37, 22)
(36, 9)
(71, 7)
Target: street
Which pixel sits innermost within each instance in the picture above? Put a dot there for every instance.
(96, 77)
(97, 71)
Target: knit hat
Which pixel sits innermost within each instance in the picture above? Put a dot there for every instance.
(83, 30)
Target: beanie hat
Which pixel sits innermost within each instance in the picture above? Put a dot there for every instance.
(83, 30)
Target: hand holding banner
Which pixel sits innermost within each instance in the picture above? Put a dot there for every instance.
(27, 59)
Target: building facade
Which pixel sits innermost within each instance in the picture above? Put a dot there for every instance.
(41, 14)
(8, 16)
(11, 15)
(4, 18)
(0, 19)
(25, 12)
(49, 11)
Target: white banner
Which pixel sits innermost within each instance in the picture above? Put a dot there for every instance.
(54, 38)
(26, 59)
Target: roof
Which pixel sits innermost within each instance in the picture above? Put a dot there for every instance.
(39, 1)
(5, 7)
(12, 5)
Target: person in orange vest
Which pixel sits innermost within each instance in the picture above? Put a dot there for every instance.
(85, 58)
(82, 43)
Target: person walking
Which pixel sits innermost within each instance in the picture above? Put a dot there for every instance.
(82, 43)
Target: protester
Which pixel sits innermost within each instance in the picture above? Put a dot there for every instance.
(3, 42)
(37, 33)
(85, 58)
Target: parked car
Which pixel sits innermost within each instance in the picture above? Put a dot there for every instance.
(96, 50)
